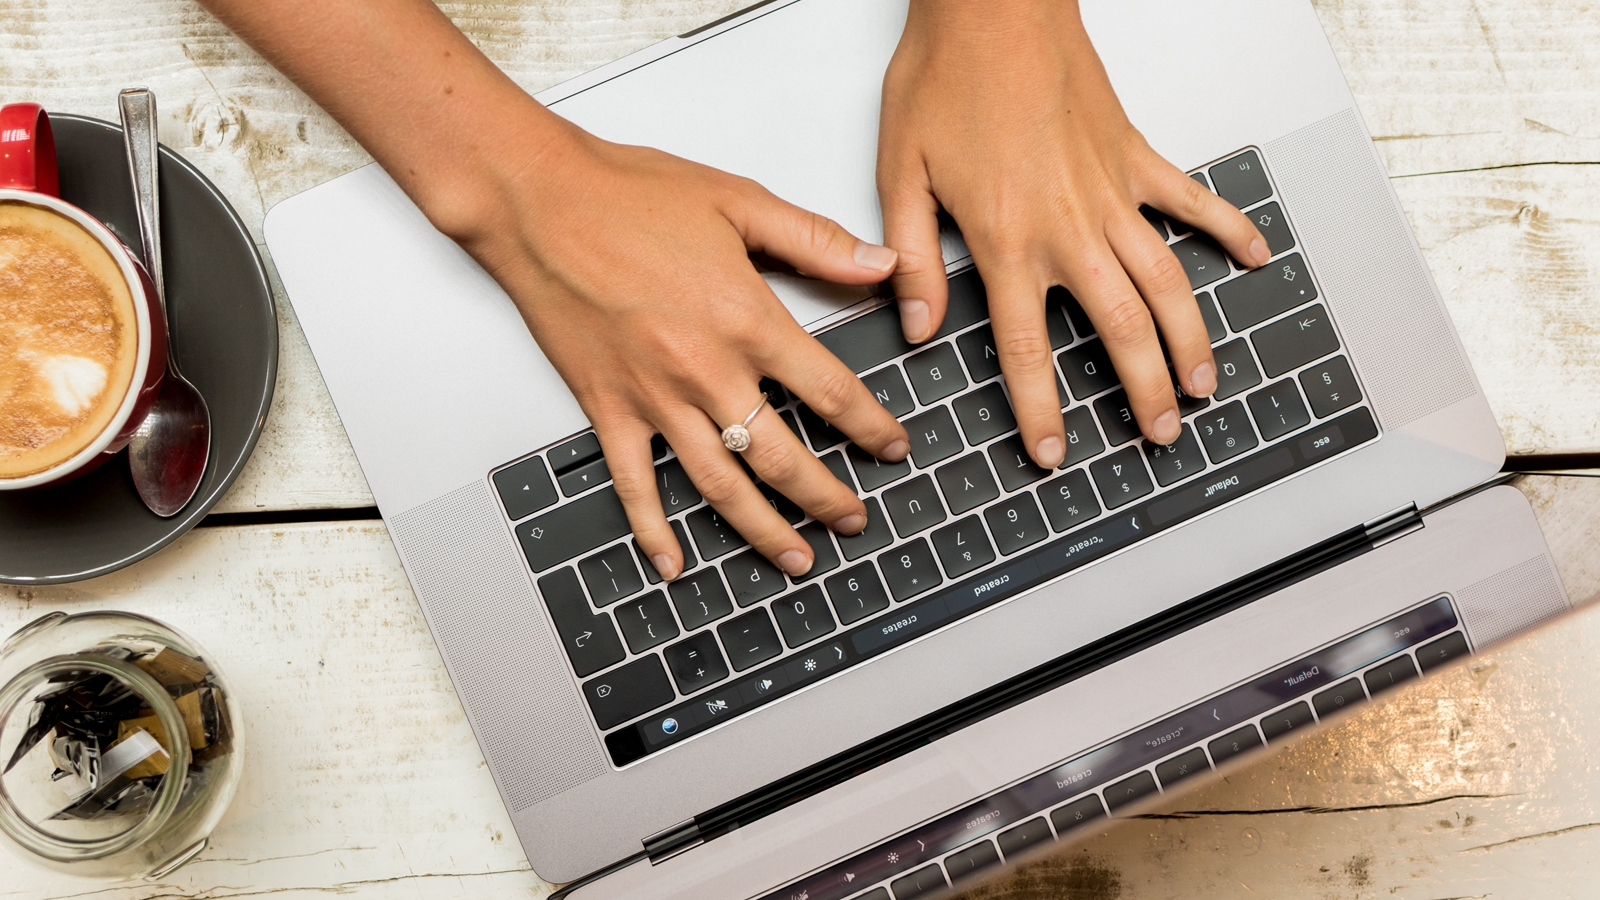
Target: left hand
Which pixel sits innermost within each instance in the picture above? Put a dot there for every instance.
(1001, 111)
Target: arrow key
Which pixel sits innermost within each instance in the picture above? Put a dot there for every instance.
(525, 488)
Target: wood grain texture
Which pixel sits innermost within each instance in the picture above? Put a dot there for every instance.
(1487, 92)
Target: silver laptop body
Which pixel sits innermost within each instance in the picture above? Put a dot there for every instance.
(441, 389)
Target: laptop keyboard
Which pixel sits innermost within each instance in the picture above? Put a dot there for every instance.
(964, 522)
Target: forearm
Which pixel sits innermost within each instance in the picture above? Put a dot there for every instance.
(436, 113)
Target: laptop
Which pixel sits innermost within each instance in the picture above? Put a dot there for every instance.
(1006, 652)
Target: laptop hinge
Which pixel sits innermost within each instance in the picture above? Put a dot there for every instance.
(1394, 525)
(666, 844)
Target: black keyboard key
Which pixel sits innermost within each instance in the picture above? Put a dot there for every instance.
(646, 622)
(1330, 386)
(1076, 814)
(985, 414)
(1187, 405)
(1121, 477)
(1088, 369)
(588, 637)
(525, 488)
(611, 575)
(933, 437)
(1226, 432)
(1343, 695)
(967, 303)
(977, 349)
(793, 423)
(658, 447)
(966, 863)
(909, 569)
(935, 374)
(568, 456)
(1270, 221)
(1390, 675)
(1020, 839)
(628, 692)
(1055, 325)
(1155, 219)
(803, 616)
(1278, 410)
(824, 558)
(1295, 341)
(1012, 463)
(962, 547)
(700, 599)
(1284, 721)
(923, 881)
(1082, 326)
(1202, 259)
(818, 432)
(1241, 180)
(1234, 743)
(749, 639)
(874, 473)
(888, 387)
(966, 483)
(1185, 765)
(914, 506)
(780, 504)
(840, 469)
(678, 493)
(1130, 790)
(591, 474)
(752, 578)
(874, 537)
(1236, 369)
(572, 530)
(868, 341)
(774, 391)
(1269, 291)
(1083, 439)
(689, 562)
(1176, 461)
(1116, 417)
(712, 534)
(696, 662)
(1208, 313)
(1068, 500)
(857, 592)
(1447, 649)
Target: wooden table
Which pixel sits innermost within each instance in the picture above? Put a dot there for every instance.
(364, 778)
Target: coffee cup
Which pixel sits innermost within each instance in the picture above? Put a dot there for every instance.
(83, 344)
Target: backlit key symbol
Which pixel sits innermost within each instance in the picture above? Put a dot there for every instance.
(716, 706)
(1265, 220)
(537, 533)
(1288, 273)
(1307, 323)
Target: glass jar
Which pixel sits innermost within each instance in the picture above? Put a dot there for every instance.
(119, 745)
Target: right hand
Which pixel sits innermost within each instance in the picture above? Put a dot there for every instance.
(631, 268)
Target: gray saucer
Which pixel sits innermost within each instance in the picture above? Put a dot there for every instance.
(225, 333)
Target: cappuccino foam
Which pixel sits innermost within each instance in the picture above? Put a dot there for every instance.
(68, 339)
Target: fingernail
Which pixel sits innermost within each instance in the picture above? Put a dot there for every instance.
(896, 451)
(872, 256)
(1203, 380)
(851, 524)
(914, 320)
(665, 567)
(794, 562)
(1166, 428)
(1050, 452)
(1259, 252)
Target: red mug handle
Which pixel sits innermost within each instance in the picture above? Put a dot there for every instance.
(28, 150)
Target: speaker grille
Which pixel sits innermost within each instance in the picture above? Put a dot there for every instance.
(1361, 249)
(1518, 598)
(497, 646)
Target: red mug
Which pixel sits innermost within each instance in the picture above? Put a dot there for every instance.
(28, 175)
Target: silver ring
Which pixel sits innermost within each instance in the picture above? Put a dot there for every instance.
(737, 437)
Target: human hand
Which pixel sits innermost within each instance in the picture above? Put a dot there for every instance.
(1002, 112)
(631, 268)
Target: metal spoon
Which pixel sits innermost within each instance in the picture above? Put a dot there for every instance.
(168, 453)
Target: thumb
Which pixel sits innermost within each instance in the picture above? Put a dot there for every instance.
(911, 227)
(813, 244)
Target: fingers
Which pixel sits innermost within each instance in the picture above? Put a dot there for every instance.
(1180, 196)
(911, 227)
(1123, 322)
(1016, 311)
(813, 244)
(1164, 284)
(626, 445)
(784, 463)
(833, 392)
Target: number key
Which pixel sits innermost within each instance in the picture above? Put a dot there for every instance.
(1121, 477)
(856, 593)
(1016, 523)
(1226, 432)
(803, 616)
(1177, 460)
(963, 546)
(909, 569)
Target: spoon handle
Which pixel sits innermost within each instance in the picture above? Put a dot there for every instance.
(138, 108)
